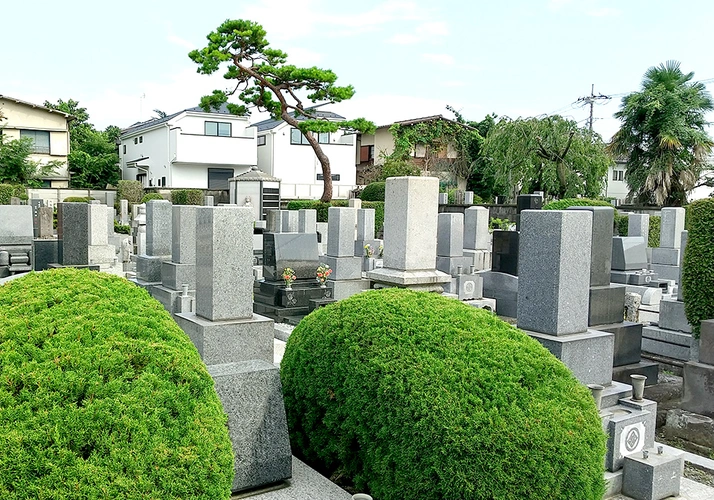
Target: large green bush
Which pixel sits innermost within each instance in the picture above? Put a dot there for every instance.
(575, 202)
(132, 191)
(7, 191)
(151, 196)
(622, 223)
(187, 197)
(78, 199)
(698, 273)
(103, 396)
(414, 395)
(323, 209)
(373, 192)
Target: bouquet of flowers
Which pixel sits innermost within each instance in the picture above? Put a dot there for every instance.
(381, 251)
(288, 277)
(368, 251)
(323, 272)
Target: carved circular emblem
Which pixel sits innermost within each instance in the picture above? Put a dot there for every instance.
(469, 287)
(648, 279)
(632, 440)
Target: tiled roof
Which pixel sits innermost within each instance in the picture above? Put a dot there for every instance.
(38, 106)
(270, 123)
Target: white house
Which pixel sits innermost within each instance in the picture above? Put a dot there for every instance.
(188, 149)
(284, 152)
(48, 129)
(615, 185)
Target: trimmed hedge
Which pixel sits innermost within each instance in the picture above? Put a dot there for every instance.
(414, 395)
(151, 196)
(187, 197)
(373, 191)
(103, 396)
(621, 224)
(698, 273)
(78, 199)
(575, 202)
(7, 191)
(121, 228)
(322, 209)
(132, 191)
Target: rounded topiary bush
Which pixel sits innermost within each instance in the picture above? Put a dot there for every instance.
(103, 396)
(414, 395)
(151, 196)
(373, 192)
(698, 272)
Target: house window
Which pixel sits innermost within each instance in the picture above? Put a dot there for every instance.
(618, 175)
(261, 140)
(335, 177)
(141, 139)
(124, 149)
(219, 129)
(297, 137)
(218, 177)
(136, 140)
(163, 181)
(40, 140)
(366, 153)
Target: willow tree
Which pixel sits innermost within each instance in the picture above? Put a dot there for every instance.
(263, 80)
(549, 154)
(663, 135)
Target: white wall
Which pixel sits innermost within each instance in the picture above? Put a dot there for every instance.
(265, 153)
(155, 145)
(616, 189)
(195, 175)
(216, 150)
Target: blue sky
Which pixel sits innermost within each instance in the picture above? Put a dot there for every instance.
(406, 59)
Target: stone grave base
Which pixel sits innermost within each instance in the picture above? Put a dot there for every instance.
(146, 285)
(344, 268)
(668, 343)
(614, 392)
(666, 272)
(650, 369)
(231, 340)
(606, 304)
(504, 288)
(44, 253)
(173, 275)
(628, 341)
(672, 316)
(250, 393)
(427, 280)
(342, 289)
(168, 297)
(587, 354)
(698, 395)
(630, 429)
(148, 267)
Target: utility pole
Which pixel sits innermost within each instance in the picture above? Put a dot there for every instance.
(590, 100)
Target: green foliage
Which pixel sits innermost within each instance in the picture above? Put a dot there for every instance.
(698, 273)
(151, 196)
(93, 159)
(397, 167)
(8, 191)
(373, 192)
(575, 202)
(263, 80)
(663, 135)
(502, 224)
(132, 191)
(322, 209)
(414, 395)
(103, 396)
(16, 166)
(187, 197)
(654, 232)
(121, 228)
(78, 199)
(621, 224)
(550, 154)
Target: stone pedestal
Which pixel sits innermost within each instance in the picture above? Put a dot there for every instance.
(504, 289)
(251, 395)
(652, 478)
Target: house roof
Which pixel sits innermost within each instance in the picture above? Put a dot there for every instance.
(38, 106)
(139, 126)
(270, 123)
(423, 119)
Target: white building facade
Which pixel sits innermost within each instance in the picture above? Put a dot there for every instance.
(284, 152)
(189, 149)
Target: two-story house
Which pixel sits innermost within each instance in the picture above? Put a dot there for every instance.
(283, 152)
(188, 149)
(49, 131)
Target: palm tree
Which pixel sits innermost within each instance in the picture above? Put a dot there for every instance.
(662, 136)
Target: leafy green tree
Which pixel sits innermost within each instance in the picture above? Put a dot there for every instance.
(93, 158)
(263, 80)
(549, 154)
(16, 166)
(663, 135)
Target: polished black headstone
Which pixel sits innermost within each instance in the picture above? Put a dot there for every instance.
(505, 252)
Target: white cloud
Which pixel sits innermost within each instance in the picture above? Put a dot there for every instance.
(442, 59)
(180, 42)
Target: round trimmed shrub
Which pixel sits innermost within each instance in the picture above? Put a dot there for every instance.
(187, 197)
(698, 272)
(151, 196)
(103, 396)
(373, 192)
(414, 395)
(575, 202)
